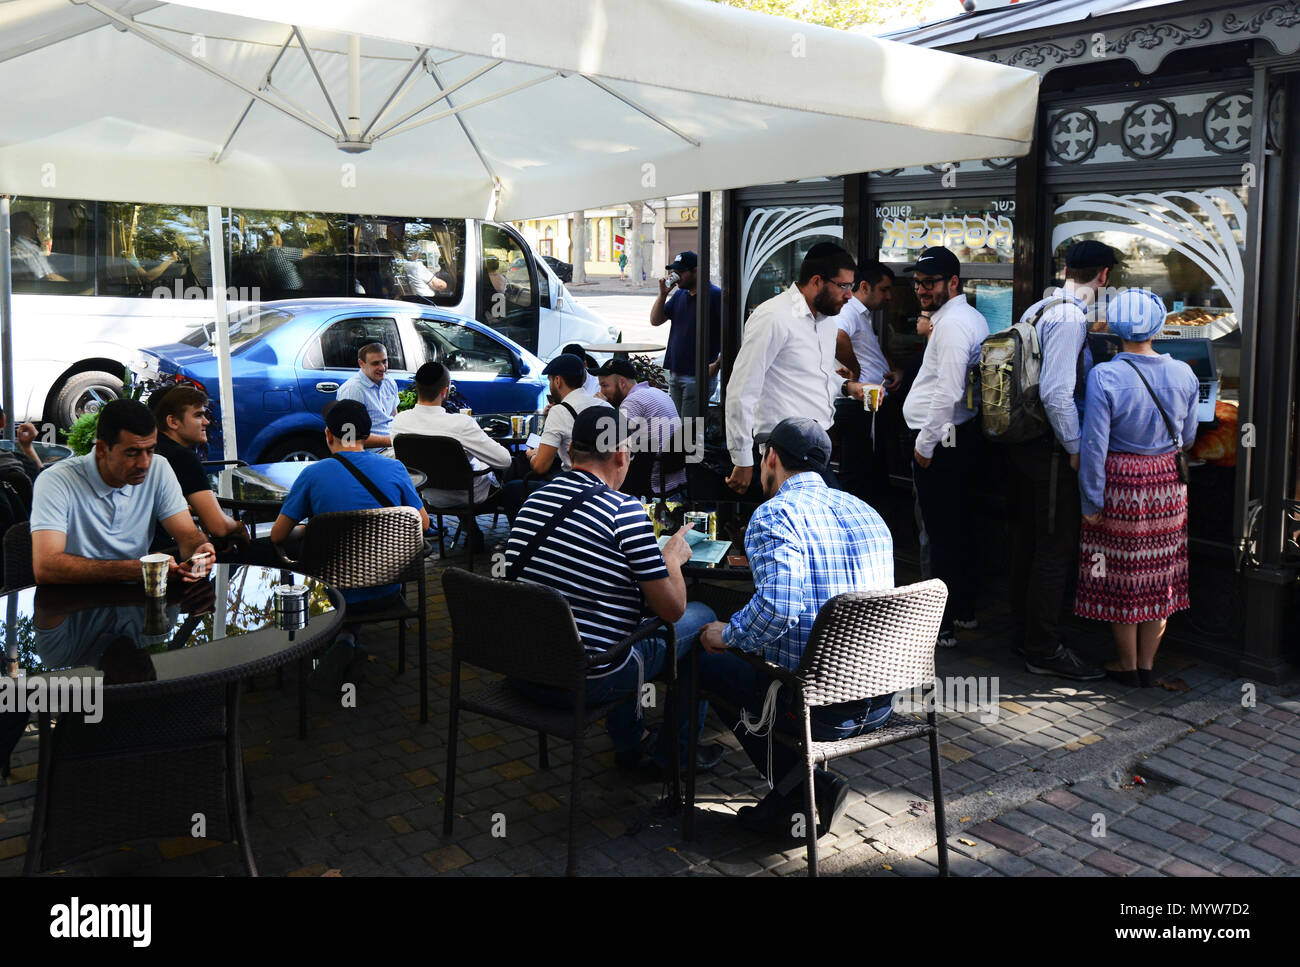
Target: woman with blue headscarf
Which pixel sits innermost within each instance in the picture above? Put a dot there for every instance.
(1133, 540)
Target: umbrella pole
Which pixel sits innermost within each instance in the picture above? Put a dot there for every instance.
(702, 359)
(6, 319)
(216, 248)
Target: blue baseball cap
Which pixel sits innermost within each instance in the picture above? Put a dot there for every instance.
(568, 366)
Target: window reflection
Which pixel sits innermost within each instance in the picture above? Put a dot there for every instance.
(52, 245)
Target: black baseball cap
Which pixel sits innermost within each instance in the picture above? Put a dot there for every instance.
(618, 367)
(1090, 254)
(684, 260)
(340, 415)
(937, 260)
(568, 366)
(598, 429)
(804, 441)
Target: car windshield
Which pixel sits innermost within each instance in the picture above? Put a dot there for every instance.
(245, 326)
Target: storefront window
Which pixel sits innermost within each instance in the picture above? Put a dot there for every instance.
(1186, 245)
(52, 245)
(975, 229)
(774, 243)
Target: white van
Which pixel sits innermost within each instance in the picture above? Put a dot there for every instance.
(93, 282)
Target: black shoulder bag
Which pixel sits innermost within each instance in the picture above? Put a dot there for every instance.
(365, 482)
(1180, 455)
(545, 531)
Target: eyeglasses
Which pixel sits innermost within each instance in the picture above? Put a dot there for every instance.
(928, 284)
(846, 286)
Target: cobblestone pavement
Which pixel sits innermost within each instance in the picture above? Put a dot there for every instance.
(363, 794)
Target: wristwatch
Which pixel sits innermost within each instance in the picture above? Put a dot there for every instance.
(844, 388)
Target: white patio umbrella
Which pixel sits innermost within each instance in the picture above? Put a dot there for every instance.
(460, 108)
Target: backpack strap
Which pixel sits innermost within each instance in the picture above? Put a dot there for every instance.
(572, 412)
(545, 531)
(365, 481)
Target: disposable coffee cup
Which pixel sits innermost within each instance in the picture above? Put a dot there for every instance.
(154, 568)
(518, 425)
(872, 395)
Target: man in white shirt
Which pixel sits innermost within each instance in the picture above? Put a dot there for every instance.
(786, 365)
(947, 438)
(428, 418)
(863, 468)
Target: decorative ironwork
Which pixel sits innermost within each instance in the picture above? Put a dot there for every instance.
(767, 230)
(1276, 118)
(1150, 36)
(887, 172)
(1147, 129)
(1226, 122)
(1282, 14)
(1073, 135)
(1000, 164)
(1033, 55)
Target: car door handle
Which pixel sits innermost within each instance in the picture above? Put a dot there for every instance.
(327, 387)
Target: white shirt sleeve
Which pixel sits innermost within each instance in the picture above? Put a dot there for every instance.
(758, 351)
(949, 385)
(477, 443)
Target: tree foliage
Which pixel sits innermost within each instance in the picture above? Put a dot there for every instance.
(841, 14)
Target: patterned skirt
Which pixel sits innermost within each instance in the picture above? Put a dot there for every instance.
(1133, 565)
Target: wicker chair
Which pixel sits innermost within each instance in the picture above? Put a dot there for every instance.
(640, 475)
(527, 631)
(443, 460)
(361, 549)
(18, 571)
(863, 644)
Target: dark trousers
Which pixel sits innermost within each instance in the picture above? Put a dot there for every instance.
(1046, 544)
(864, 470)
(945, 493)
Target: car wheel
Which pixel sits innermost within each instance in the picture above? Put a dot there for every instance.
(298, 447)
(84, 393)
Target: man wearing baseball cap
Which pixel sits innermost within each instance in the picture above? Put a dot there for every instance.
(1045, 471)
(650, 416)
(678, 306)
(805, 545)
(946, 437)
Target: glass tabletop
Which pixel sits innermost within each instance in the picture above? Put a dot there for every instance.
(728, 522)
(48, 452)
(114, 631)
(269, 483)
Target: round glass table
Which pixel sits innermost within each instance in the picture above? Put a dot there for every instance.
(146, 696)
(261, 488)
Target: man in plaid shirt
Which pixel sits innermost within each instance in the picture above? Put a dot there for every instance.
(806, 544)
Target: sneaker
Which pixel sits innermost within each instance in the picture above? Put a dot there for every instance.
(967, 624)
(946, 640)
(1065, 664)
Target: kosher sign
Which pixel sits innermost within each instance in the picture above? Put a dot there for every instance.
(901, 230)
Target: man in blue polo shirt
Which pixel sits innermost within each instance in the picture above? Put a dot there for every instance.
(93, 516)
(679, 309)
(376, 390)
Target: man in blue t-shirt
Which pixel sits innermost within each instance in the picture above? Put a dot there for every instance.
(679, 309)
(328, 486)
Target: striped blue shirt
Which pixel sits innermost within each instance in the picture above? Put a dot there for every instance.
(596, 557)
(806, 545)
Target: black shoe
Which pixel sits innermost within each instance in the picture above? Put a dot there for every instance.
(1064, 664)
(832, 800)
(773, 816)
(631, 758)
(1125, 676)
(475, 542)
(1147, 677)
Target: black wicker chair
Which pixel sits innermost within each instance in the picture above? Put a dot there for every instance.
(863, 644)
(361, 549)
(18, 571)
(640, 474)
(526, 631)
(443, 460)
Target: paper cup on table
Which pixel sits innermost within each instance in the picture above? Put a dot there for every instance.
(519, 426)
(872, 395)
(154, 568)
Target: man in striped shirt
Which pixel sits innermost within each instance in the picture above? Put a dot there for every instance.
(805, 545)
(596, 547)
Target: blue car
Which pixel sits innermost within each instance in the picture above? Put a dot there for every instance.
(289, 358)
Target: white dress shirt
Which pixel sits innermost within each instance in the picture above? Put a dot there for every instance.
(854, 321)
(483, 452)
(785, 368)
(557, 431)
(938, 395)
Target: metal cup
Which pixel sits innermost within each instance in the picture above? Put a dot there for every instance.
(154, 568)
(872, 395)
(290, 606)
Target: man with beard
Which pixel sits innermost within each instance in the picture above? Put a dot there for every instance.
(947, 438)
(786, 365)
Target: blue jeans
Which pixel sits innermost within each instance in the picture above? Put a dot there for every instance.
(622, 721)
(681, 390)
(739, 684)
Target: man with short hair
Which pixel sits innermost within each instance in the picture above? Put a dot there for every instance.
(376, 390)
(1045, 471)
(786, 365)
(863, 467)
(805, 545)
(946, 437)
(603, 558)
(93, 516)
(678, 306)
(182, 420)
(651, 418)
(429, 418)
(566, 374)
